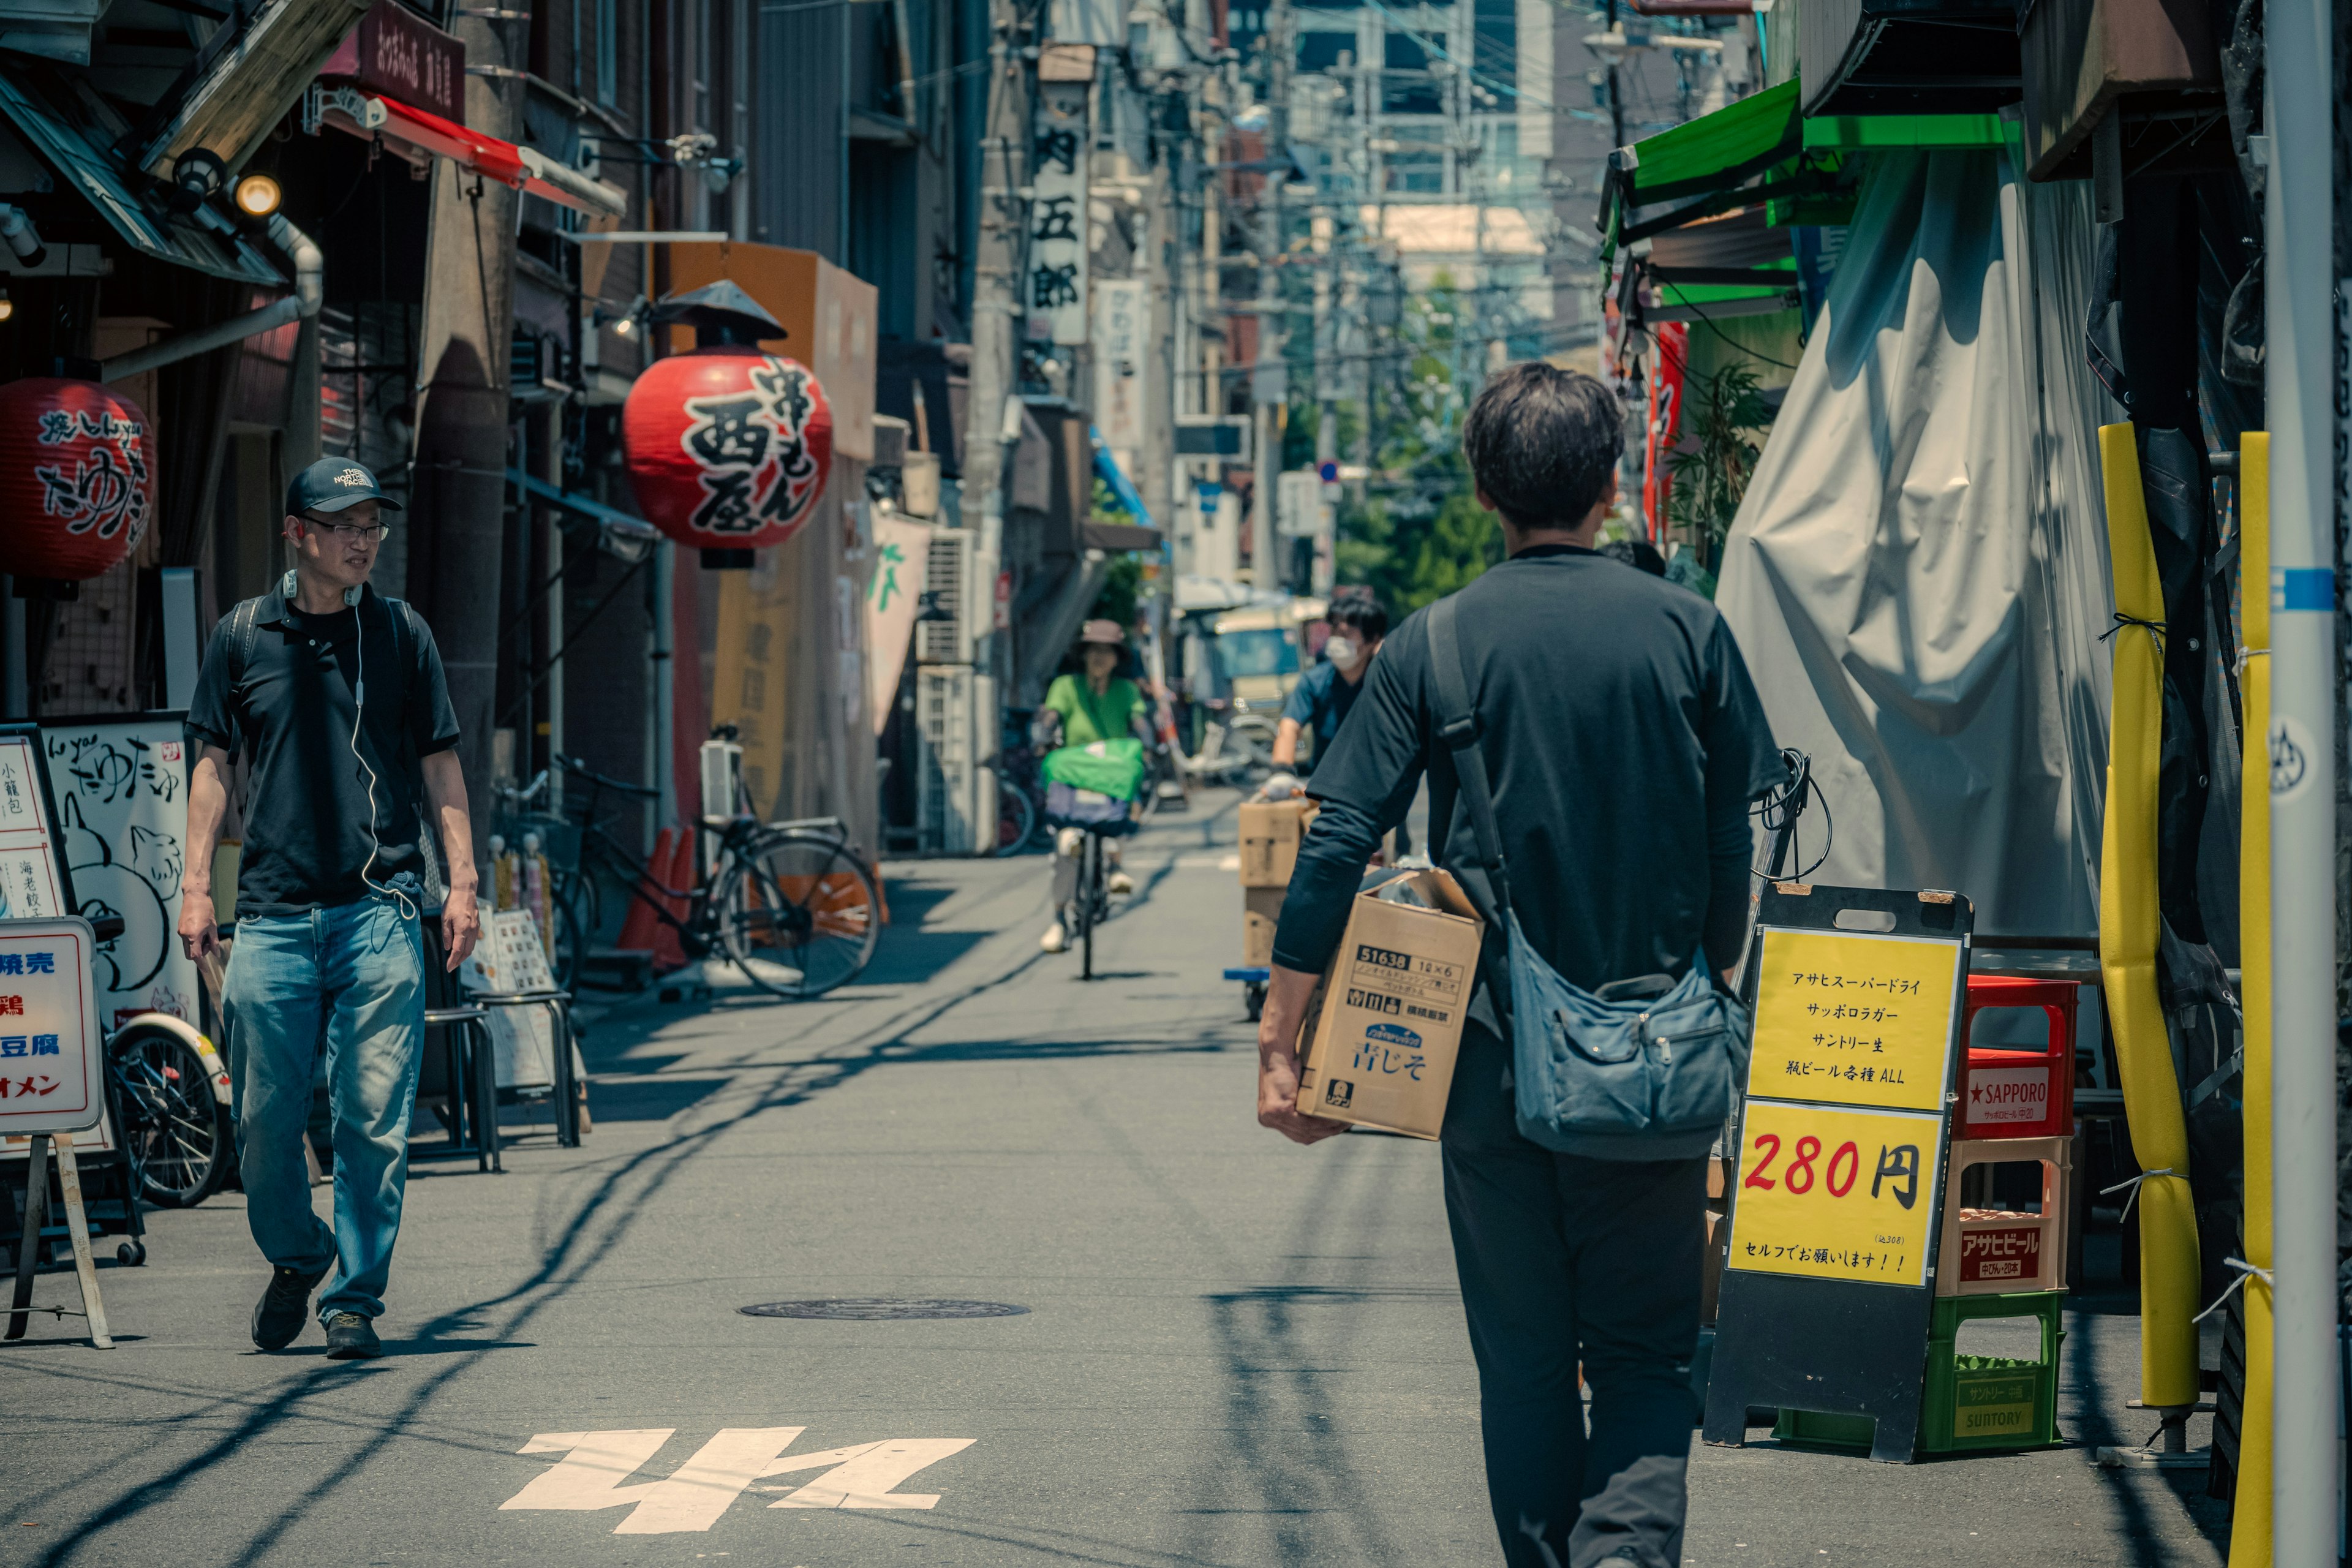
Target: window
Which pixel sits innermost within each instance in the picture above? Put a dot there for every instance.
(608, 52)
(1241, 655)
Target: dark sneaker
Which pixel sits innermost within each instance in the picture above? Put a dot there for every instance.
(284, 1307)
(351, 1337)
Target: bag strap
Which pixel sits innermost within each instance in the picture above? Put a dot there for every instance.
(1460, 728)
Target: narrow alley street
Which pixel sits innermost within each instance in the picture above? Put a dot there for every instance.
(1228, 1350)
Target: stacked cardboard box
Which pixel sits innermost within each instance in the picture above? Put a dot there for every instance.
(1271, 832)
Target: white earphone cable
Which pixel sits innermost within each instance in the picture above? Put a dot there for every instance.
(359, 713)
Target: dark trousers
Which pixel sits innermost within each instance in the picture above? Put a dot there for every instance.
(1566, 1260)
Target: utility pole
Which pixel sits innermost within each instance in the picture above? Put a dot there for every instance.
(1269, 384)
(458, 483)
(996, 282)
(2305, 686)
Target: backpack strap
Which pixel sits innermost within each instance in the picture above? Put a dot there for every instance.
(1461, 729)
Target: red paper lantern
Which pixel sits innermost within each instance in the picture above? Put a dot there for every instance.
(728, 447)
(76, 478)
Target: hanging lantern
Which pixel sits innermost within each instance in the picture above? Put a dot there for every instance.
(729, 446)
(76, 478)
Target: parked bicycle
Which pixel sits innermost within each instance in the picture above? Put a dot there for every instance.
(791, 904)
(1020, 791)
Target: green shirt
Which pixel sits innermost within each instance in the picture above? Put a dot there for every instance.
(1087, 718)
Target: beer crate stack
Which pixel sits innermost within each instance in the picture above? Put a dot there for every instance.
(2006, 1218)
(1270, 835)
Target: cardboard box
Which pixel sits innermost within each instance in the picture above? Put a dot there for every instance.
(1270, 833)
(1387, 1022)
(1260, 912)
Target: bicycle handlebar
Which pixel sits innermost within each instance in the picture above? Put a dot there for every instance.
(574, 766)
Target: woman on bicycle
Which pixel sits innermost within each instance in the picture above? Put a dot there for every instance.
(1098, 704)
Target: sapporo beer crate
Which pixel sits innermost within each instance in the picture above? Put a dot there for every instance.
(2019, 1093)
(1971, 1403)
(1991, 1245)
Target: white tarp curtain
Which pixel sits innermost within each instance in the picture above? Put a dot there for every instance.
(1918, 575)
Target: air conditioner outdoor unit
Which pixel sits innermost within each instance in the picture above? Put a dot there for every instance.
(955, 792)
(945, 632)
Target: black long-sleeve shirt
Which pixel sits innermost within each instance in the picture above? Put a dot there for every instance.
(1623, 740)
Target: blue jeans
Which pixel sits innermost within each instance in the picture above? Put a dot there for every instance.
(351, 979)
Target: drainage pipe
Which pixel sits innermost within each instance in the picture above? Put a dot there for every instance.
(310, 289)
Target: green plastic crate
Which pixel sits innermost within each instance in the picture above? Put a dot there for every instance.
(1975, 1401)
(1969, 1403)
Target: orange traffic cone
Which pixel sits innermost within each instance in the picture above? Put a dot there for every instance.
(638, 926)
(667, 953)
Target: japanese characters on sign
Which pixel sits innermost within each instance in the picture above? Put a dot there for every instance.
(28, 873)
(49, 1027)
(1119, 362)
(121, 789)
(1058, 227)
(1836, 1194)
(1845, 1018)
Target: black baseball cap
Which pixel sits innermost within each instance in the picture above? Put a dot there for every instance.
(331, 484)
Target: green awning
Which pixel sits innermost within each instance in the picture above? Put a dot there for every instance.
(72, 143)
(1700, 157)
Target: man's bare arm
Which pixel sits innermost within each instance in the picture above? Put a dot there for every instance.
(1288, 993)
(461, 917)
(207, 808)
(1286, 743)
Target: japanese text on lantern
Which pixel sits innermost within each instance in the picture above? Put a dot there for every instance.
(1853, 1019)
(752, 451)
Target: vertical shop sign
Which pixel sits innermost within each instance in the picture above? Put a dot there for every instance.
(1057, 213)
(1119, 362)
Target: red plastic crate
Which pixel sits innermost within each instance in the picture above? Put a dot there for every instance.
(2014, 1093)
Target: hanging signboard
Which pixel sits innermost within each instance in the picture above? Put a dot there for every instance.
(1120, 323)
(32, 882)
(1058, 221)
(49, 1034)
(120, 782)
(1829, 1247)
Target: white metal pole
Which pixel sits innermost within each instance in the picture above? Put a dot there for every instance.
(2299, 397)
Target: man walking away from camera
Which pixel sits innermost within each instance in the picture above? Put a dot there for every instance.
(335, 696)
(1625, 742)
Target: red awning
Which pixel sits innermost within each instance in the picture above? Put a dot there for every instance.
(418, 133)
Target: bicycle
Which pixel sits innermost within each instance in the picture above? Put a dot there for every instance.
(791, 904)
(1020, 793)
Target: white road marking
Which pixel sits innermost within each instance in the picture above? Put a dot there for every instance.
(1208, 862)
(595, 1464)
(864, 1475)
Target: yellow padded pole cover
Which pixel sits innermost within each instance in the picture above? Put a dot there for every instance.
(2128, 920)
(2250, 1524)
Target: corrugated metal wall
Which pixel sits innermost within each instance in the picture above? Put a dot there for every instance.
(802, 166)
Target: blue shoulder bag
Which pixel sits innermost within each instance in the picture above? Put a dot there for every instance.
(1652, 1056)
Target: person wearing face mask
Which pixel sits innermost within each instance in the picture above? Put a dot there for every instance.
(1326, 694)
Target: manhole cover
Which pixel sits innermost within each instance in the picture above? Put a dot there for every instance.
(882, 1306)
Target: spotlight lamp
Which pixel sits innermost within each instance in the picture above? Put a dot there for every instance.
(257, 195)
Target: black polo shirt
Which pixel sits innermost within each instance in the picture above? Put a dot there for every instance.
(1621, 731)
(280, 687)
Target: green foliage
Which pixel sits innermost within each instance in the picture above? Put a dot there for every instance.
(1121, 589)
(1712, 467)
(1421, 534)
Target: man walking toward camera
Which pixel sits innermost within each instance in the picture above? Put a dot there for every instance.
(334, 695)
(1623, 743)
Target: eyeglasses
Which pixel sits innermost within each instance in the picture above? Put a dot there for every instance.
(352, 533)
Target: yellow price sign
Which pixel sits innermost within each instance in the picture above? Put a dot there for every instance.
(1854, 1019)
(1835, 1194)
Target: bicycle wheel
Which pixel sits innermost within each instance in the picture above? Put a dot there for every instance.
(567, 905)
(798, 912)
(1089, 902)
(181, 1138)
(1016, 817)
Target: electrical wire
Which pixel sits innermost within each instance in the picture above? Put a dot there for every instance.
(1780, 809)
